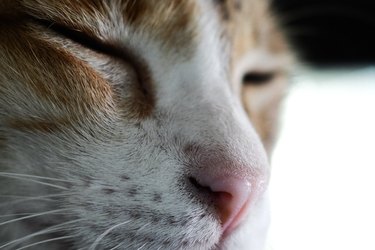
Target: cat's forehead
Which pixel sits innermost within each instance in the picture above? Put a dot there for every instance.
(174, 22)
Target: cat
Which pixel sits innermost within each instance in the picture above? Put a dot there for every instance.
(138, 124)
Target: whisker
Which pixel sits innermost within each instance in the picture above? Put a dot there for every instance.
(35, 181)
(25, 199)
(142, 246)
(37, 197)
(100, 237)
(47, 230)
(20, 214)
(13, 196)
(34, 215)
(46, 241)
(139, 229)
(34, 176)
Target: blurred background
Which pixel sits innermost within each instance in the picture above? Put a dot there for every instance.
(330, 32)
(323, 179)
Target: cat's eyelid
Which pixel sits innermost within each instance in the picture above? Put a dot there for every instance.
(119, 52)
(80, 37)
(96, 44)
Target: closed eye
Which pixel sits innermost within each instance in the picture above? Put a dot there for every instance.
(95, 44)
(257, 78)
(79, 37)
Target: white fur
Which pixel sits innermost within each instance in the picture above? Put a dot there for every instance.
(194, 104)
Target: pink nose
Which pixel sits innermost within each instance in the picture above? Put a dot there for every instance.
(231, 196)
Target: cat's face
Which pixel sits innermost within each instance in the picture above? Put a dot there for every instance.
(137, 124)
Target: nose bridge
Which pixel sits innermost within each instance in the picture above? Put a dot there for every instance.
(225, 122)
(205, 111)
(223, 136)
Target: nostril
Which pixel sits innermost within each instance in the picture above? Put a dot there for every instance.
(229, 195)
(218, 198)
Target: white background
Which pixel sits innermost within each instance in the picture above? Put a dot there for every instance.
(323, 177)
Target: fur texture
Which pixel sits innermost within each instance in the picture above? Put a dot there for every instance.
(108, 109)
